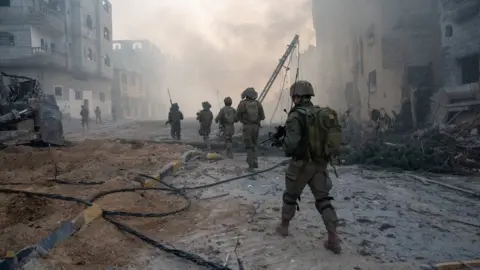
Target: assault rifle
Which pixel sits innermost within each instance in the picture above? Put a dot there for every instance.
(276, 138)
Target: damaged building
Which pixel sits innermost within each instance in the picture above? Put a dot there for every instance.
(137, 85)
(377, 55)
(459, 98)
(65, 44)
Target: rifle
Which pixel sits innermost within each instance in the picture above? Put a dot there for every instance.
(277, 137)
(169, 96)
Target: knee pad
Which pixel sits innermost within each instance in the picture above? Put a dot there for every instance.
(323, 204)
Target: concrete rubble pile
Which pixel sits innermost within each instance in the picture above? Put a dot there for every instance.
(453, 149)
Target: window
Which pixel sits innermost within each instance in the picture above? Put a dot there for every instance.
(102, 97)
(78, 95)
(124, 79)
(90, 54)
(4, 3)
(106, 33)
(372, 81)
(116, 46)
(89, 22)
(106, 6)
(448, 31)
(469, 69)
(137, 45)
(7, 39)
(58, 91)
(107, 60)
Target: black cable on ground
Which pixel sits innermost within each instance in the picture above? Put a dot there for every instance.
(107, 215)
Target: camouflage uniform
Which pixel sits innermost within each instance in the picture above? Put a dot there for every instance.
(250, 113)
(302, 170)
(205, 117)
(174, 118)
(226, 118)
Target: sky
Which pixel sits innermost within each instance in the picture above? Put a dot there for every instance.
(219, 46)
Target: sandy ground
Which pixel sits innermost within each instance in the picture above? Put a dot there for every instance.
(389, 219)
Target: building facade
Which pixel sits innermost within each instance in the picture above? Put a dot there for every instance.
(460, 25)
(378, 55)
(65, 44)
(137, 84)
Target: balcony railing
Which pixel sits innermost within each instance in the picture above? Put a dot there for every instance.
(40, 16)
(32, 56)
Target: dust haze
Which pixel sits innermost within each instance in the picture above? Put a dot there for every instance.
(212, 46)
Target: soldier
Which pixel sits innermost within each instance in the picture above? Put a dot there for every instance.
(98, 115)
(226, 118)
(306, 168)
(174, 118)
(85, 114)
(205, 117)
(250, 113)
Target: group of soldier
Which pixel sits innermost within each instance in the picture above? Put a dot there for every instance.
(303, 168)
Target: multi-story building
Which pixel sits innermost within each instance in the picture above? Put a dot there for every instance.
(460, 24)
(65, 44)
(137, 83)
(376, 54)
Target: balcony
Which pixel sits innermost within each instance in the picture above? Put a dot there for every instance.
(18, 56)
(42, 17)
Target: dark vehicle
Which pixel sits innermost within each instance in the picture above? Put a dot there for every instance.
(23, 101)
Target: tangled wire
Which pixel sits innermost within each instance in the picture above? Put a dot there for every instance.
(24, 255)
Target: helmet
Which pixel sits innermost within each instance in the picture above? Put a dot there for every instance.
(227, 101)
(175, 106)
(250, 93)
(301, 88)
(206, 105)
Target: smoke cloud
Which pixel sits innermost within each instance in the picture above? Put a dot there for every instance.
(213, 45)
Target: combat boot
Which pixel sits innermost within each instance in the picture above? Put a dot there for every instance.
(282, 228)
(333, 242)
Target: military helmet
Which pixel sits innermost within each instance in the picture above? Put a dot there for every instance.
(301, 88)
(250, 93)
(227, 101)
(175, 106)
(206, 105)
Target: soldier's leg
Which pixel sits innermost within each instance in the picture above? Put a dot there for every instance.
(255, 134)
(247, 140)
(173, 132)
(228, 144)
(296, 178)
(321, 185)
(179, 132)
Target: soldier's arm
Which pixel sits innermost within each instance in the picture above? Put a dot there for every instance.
(261, 112)
(240, 112)
(198, 116)
(170, 116)
(292, 135)
(181, 115)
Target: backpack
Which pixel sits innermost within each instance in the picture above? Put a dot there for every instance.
(252, 110)
(229, 115)
(324, 132)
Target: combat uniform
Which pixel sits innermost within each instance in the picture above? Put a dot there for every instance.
(174, 118)
(226, 118)
(302, 170)
(205, 117)
(85, 114)
(250, 113)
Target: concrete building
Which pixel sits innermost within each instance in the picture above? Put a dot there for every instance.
(460, 24)
(137, 84)
(377, 54)
(65, 44)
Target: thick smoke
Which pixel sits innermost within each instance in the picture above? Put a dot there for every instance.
(215, 45)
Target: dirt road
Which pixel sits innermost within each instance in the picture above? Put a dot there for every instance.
(390, 220)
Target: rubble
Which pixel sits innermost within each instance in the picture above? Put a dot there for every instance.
(453, 149)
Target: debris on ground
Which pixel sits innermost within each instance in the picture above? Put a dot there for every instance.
(452, 150)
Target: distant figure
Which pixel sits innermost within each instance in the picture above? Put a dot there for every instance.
(98, 115)
(114, 113)
(85, 117)
(205, 117)
(174, 118)
(226, 118)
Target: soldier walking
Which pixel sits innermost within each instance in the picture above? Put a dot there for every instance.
(205, 117)
(226, 118)
(98, 115)
(85, 116)
(308, 165)
(250, 113)
(174, 118)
